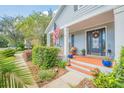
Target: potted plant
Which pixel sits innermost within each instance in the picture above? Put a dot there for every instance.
(83, 52)
(107, 61)
(73, 50)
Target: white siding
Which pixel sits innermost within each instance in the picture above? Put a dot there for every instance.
(68, 15)
(119, 30)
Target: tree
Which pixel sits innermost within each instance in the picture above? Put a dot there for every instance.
(3, 41)
(34, 26)
(9, 28)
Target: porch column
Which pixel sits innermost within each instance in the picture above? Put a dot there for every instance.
(119, 30)
(48, 39)
(66, 41)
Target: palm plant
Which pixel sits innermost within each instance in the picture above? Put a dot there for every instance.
(13, 74)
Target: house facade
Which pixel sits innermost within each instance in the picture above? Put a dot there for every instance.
(96, 28)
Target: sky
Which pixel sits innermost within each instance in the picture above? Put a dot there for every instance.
(24, 10)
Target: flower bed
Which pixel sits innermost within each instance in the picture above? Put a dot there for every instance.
(35, 72)
(45, 64)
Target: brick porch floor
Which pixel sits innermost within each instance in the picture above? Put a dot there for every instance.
(90, 60)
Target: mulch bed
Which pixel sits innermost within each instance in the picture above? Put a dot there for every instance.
(86, 83)
(35, 70)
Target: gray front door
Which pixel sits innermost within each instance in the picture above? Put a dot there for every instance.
(96, 42)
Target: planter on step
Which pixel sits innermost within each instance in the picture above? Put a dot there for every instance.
(107, 63)
(70, 56)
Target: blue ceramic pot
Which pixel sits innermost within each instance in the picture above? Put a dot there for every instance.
(70, 56)
(107, 63)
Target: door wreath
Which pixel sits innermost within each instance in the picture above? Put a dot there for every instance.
(95, 34)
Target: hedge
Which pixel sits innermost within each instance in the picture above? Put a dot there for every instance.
(46, 57)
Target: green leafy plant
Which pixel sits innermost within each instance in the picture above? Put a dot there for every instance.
(83, 51)
(108, 59)
(61, 64)
(105, 81)
(46, 75)
(3, 41)
(119, 70)
(37, 55)
(46, 57)
(20, 46)
(115, 79)
(13, 74)
(8, 52)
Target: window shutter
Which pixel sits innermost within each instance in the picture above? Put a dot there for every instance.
(75, 7)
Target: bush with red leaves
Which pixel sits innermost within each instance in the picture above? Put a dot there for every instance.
(27, 55)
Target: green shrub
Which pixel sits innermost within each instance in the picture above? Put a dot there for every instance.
(47, 74)
(105, 81)
(3, 41)
(119, 70)
(20, 46)
(61, 64)
(37, 55)
(46, 57)
(115, 79)
(8, 52)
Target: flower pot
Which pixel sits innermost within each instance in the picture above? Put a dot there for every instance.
(107, 63)
(70, 56)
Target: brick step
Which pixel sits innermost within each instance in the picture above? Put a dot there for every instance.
(79, 70)
(81, 66)
(85, 64)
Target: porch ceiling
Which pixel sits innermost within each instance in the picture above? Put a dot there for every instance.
(100, 19)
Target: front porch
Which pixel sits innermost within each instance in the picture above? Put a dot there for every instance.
(81, 36)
